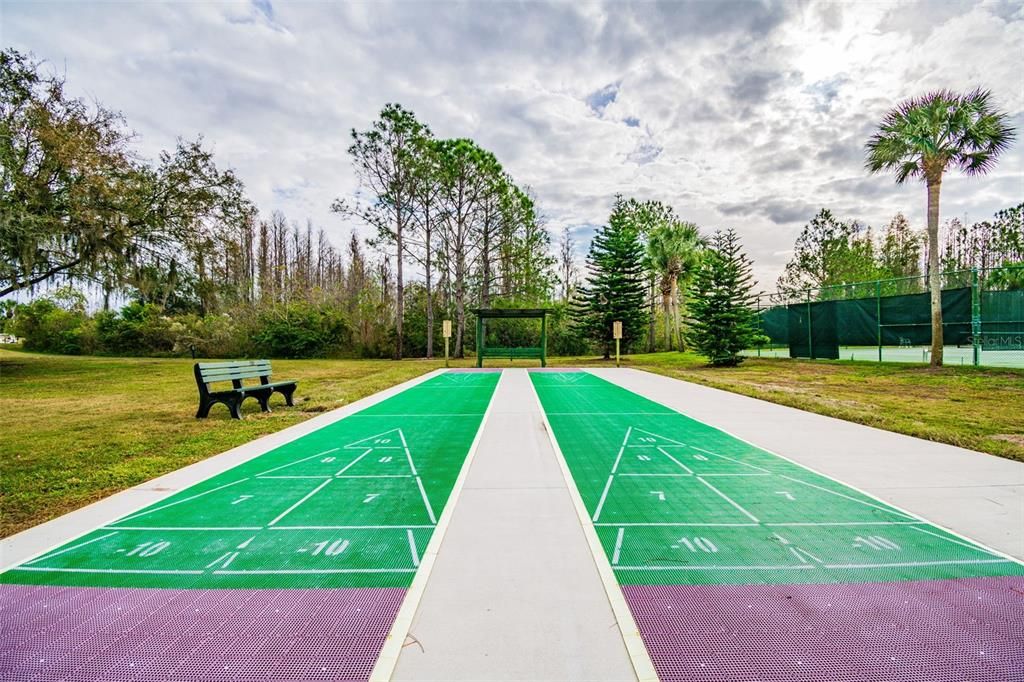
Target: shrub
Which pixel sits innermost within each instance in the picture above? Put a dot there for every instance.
(301, 330)
(53, 324)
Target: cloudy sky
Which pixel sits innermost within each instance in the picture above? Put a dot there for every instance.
(740, 114)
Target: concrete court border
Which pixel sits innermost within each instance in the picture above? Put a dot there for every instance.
(51, 534)
(974, 494)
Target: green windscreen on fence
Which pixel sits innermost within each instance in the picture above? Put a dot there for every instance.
(1002, 320)
(887, 320)
(813, 330)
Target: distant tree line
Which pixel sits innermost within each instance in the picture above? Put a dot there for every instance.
(831, 254)
(204, 273)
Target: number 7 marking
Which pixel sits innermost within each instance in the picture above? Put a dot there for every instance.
(370, 497)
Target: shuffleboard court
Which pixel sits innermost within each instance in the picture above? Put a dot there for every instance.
(289, 566)
(738, 564)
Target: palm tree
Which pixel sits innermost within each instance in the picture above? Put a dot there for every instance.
(673, 252)
(921, 139)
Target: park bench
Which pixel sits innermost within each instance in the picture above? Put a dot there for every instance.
(208, 373)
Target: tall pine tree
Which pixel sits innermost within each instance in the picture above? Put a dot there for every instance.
(615, 288)
(723, 319)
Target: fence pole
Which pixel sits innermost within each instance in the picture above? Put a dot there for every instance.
(878, 315)
(975, 317)
(810, 328)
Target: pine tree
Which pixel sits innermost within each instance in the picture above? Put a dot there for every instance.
(615, 288)
(723, 320)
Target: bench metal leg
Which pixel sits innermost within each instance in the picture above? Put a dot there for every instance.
(235, 406)
(204, 409)
(288, 392)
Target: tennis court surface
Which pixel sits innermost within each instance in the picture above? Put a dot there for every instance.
(291, 566)
(740, 564)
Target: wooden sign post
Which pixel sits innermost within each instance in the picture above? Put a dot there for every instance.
(617, 333)
(446, 332)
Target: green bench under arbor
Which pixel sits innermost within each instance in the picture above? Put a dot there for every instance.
(513, 353)
(208, 373)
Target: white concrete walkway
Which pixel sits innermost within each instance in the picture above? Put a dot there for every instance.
(975, 494)
(515, 593)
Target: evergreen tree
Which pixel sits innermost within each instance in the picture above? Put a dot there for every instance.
(723, 320)
(616, 284)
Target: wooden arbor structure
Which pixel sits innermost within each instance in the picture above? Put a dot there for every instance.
(511, 352)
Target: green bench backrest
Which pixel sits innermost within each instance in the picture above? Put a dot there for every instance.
(506, 352)
(233, 371)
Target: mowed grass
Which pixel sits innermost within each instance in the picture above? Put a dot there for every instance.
(77, 429)
(977, 408)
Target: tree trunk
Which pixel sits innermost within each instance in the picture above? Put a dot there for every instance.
(680, 343)
(934, 276)
(399, 290)
(430, 297)
(666, 305)
(650, 323)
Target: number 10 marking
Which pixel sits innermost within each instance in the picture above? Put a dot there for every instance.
(698, 545)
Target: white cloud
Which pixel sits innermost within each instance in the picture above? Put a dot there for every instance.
(742, 114)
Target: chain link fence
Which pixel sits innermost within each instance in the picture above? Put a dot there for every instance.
(889, 320)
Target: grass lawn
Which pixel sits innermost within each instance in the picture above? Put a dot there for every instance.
(977, 408)
(76, 429)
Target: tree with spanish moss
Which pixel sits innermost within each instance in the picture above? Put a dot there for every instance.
(924, 137)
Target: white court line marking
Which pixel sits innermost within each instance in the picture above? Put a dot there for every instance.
(729, 500)
(226, 558)
(107, 570)
(423, 492)
(639, 658)
(800, 465)
(731, 459)
(314, 571)
(618, 457)
(853, 499)
(413, 416)
(923, 563)
(615, 466)
(408, 455)
(81, 544)
(662, 451)
(412, 547)
(282, 477)
(347, 527)
(112, 527)
(375, 476)
(735, 475)
(187, 499)
(714, 568)
(604, 494)
(618, 546)
(681, 525)
(355, 445)
(671, 475)
(605, 414)
(308, 495)
(673, 441)
(848, 523)
(353, 462)
(953, 540)
(399, 630)
(298, 461)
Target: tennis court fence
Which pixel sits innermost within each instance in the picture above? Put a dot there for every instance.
(889, 320)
